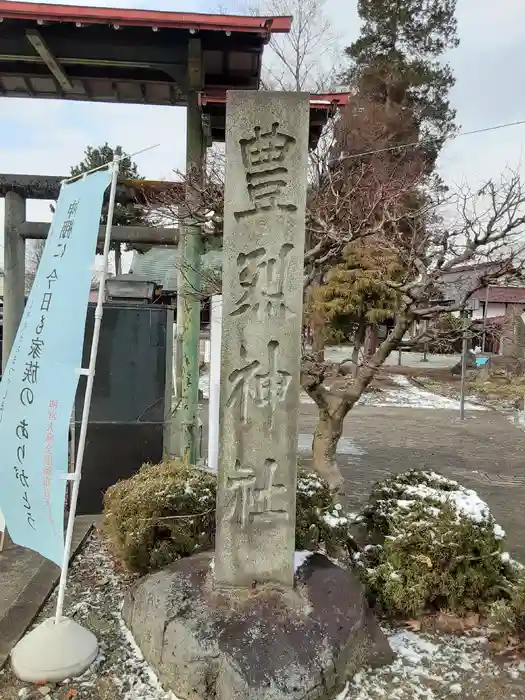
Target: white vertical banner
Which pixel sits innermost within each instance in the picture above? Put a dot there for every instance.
(89, 373)
(215, 382)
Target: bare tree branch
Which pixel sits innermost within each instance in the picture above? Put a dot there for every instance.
(384, 201)
(33, 257)
(303, 59)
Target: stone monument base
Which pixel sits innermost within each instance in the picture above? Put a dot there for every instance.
(260, 644)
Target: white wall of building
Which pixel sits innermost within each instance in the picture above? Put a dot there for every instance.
(494, 309)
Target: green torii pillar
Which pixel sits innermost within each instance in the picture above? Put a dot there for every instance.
(189, 277)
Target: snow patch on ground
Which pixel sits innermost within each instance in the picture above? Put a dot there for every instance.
(343, 694)
(410, 396)
(345, 446)
(299, 559)
(411, 647)
(94, 598)
(517, 418)
(432, 668)
(148, 688)
(407, 395)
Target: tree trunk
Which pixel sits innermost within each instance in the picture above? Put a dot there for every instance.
(318, 337)
(371, 341)
(327, 434)
(367, 370)
(358, 344)
(118, 259)
(317, 324)
(333, 409)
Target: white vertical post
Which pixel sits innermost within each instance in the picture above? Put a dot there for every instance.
(485, 313)
(215, 382)
(90, 376)
(2, 532)
(72, 441)
(464, 353)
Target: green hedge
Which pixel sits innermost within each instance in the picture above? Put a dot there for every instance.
(428, 543)
(167, 511)
(437, 547)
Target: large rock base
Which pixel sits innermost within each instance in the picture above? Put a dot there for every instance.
(259, 644)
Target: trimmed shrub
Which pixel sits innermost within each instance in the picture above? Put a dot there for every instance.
(164, 512)
(167, 511)
(321, 522)
(508, 615)
(438, 547)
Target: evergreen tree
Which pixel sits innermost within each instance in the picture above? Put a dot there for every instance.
(368, 172)
(355, 295)
(401, 97)
(397, 61)
(125, 214)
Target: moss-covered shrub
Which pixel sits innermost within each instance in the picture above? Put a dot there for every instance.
(508, 614)
(321, 522)
(167, 511)
(164, 512)
(436, 547)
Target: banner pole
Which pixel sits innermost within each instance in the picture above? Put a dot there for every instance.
(87, 396)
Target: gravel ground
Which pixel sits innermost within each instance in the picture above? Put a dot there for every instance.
(428, 667)
(440, 667)
(94, 598)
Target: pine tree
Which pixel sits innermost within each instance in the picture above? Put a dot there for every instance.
(401, 98)
(354, 295)
(125, 214)
(396, 61)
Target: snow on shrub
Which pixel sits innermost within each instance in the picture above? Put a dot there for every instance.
(321, 522)
(508, 615)
(167, 511)
(164, 512)
(438, 547)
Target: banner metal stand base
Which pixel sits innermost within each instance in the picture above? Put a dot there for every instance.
(54, 651)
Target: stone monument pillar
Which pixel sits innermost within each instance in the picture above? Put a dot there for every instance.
(212, 631)
(264, 223)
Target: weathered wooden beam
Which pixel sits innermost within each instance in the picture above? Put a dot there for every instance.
(14, 268)
(48, 187)
(40, 46)
(38, 230)
(31, 186)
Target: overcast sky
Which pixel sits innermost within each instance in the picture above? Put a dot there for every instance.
(46, 137)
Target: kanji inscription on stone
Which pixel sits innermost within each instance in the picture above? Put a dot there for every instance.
(251, 384)
(262, 277)
(250, 502)
(265, 161)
